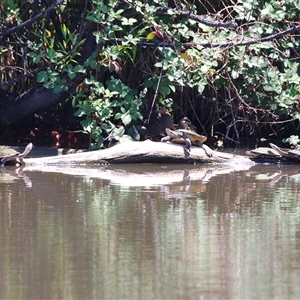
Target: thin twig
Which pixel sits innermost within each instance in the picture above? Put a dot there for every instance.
(4, 34)
(219, 45)
(201, 19)
(21, 77)
(155, 96)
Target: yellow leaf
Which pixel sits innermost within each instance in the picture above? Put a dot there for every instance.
(48, 33)
(150, 36)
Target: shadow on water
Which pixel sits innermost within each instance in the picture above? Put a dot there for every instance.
(150, 232)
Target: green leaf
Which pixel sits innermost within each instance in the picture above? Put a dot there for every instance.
(42, 76)
(71, 74)
(164, 90)
(128, 22)
(126, 119)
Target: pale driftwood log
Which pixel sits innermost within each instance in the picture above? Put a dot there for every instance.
(139, 152)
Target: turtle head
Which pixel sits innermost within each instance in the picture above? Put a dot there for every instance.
(185, 123)
(27, 150)
(163, 110)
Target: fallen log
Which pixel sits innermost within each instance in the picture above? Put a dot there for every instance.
(139, 152)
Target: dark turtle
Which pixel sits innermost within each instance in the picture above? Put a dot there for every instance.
(8, 154)
(185, 123)
(187, 137)
(158, 122)
(287, 153)
(264, 152)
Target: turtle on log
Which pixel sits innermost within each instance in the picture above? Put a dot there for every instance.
(158, 122)
(275, 153)
(264, 153)
(9, 154)
(292, 154)
(189, 138)
(185, 123)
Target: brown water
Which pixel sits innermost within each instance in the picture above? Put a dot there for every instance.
(151, 232)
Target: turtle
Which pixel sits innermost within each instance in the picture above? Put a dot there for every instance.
(158, 122)
(187, 137)
(8, 154)
(264, 152)
(293, 154)
(185, 123)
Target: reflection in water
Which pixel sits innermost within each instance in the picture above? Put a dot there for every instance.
(13, 174)
(232, 236)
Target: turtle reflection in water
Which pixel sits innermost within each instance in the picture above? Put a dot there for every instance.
(9, 154)
(189, 138)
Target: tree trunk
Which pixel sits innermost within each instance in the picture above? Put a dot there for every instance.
(39, 98)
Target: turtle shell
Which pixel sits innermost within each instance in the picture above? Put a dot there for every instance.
(187, 137)
(193, 136)
(264, 152)
(7, 152)
(295, 152)
(287, 153)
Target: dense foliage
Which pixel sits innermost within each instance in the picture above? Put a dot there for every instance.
(231, 66)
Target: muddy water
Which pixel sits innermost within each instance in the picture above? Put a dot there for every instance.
(150, 232)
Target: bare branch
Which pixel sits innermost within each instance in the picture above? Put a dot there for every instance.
(4, 34)
(170, 11)
(221, 45)
(246, 43)
(200, 19)
(22, 77)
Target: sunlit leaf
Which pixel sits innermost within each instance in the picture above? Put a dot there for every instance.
(126, 119)
(48, 33)
(150, 36)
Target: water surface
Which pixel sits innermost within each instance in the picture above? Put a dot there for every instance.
(151, 232)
